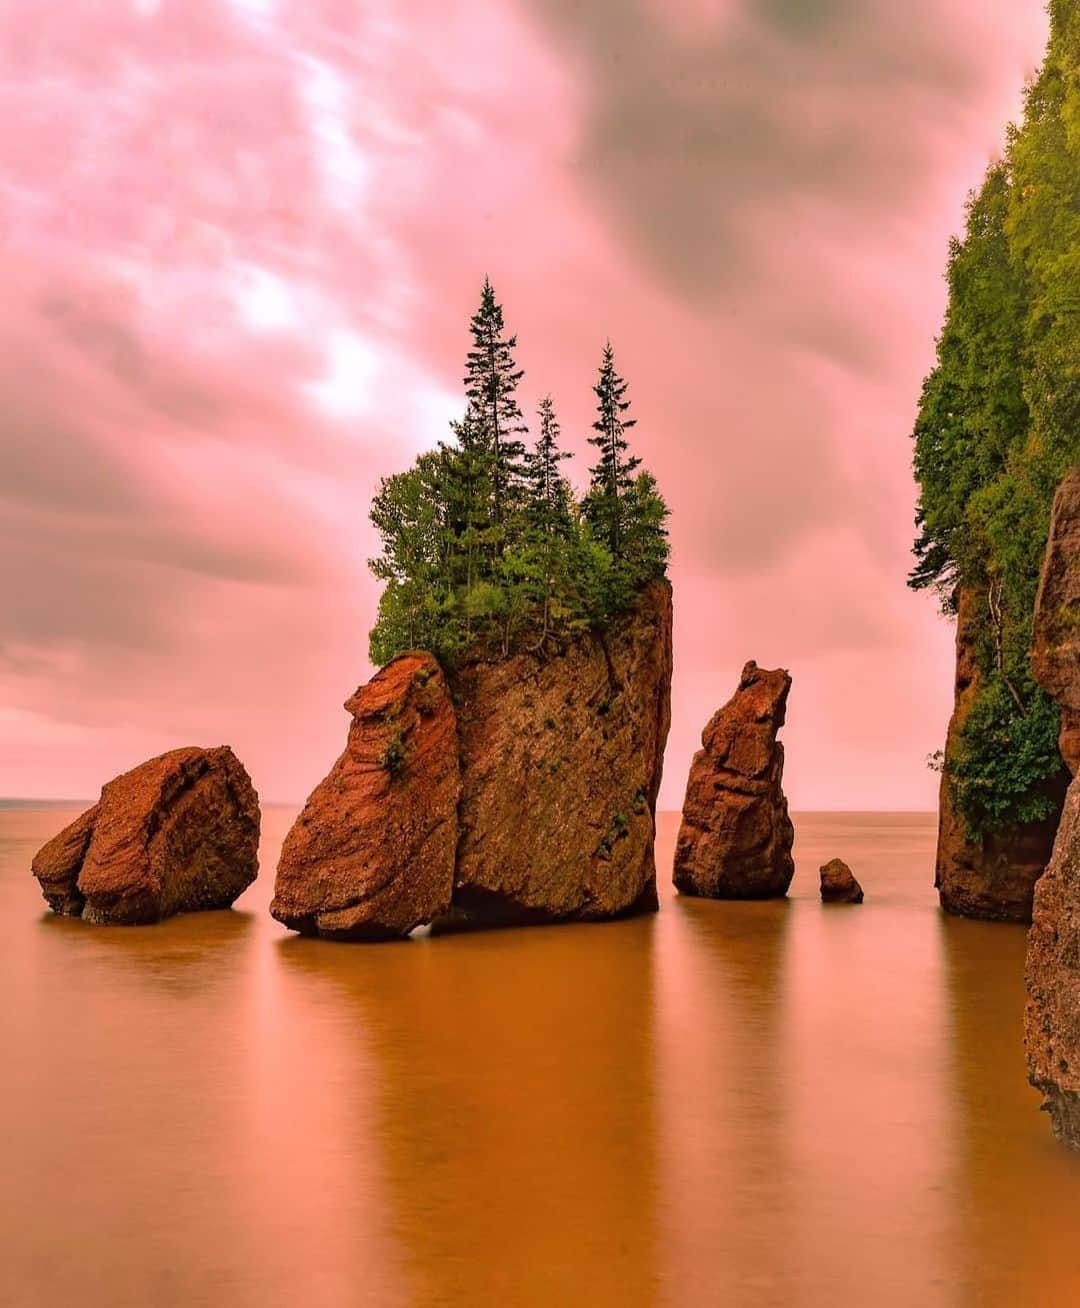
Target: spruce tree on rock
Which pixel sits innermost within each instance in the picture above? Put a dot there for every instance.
(491, 381)
(613, 476)
(548, 512)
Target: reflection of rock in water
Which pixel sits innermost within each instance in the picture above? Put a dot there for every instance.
(724, 1097)
(1008, 1250)
(514, 1079)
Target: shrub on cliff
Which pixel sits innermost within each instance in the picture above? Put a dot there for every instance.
(998, 425)
(484, 543)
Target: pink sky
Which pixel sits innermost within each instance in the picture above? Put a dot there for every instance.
(240, 242)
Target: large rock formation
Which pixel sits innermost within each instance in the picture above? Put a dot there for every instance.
(735, 839)
(838, 884)
(1052, 1020)
(372, 854)
(993, 878)
(1055, 652)
(561, 765)
(1052, 1025)
(176, 834)
(557, 759)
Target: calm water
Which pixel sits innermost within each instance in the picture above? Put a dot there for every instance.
(730, 1103)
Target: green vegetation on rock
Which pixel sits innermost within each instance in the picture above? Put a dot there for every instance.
(999, 424)
(485, 546)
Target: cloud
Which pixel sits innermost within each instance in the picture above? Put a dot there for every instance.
(240, 243)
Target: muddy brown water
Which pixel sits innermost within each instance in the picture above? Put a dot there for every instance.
(742, 1104)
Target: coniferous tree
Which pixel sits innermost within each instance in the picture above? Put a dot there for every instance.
(612, 476)
(491, 381)
(548, 510)
(485, 547)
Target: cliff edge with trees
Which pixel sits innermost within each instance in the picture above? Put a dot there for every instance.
(998, 425)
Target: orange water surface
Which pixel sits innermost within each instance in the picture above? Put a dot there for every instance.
(736, 1104)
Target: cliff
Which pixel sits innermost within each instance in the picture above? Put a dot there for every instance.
(735, 838)
(178, 833)
(1052, 970)
(526, 789)
(993, 878)
(1055, 651)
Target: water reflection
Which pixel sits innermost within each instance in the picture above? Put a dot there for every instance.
(1013, 1186)
(513, 1077)
(754, 1104)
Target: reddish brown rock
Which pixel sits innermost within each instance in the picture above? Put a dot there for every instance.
(1052, 1020)
(1052, 972)
(372, 854)
(838, 884)
(561, 764)
(735, 839)
(993, 878)
(1055, 653)
(177, 834)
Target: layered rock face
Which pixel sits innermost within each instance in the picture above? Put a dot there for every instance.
(372, 854)
(1052, 971)
(736, 837)
(177, 834)
(561, 766)
(525, 793)
(1055, 652)
(838, 884)
(993, 879)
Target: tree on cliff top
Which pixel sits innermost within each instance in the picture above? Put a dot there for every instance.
(491, 382)
(998, 425)
(486, 549)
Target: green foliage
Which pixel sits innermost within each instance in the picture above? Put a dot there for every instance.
(999, 424)
(485, 546)
(395, 755)
(998, 771)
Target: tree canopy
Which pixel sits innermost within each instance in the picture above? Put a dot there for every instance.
(485, 546)
(999, 424)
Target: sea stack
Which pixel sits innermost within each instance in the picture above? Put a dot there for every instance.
(372, 854)
(1052, 971)
(176, 834)
(838, 884)
(736, 836)
(524, 790)
(992, 878)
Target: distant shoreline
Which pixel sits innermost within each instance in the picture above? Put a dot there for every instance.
(11, 802)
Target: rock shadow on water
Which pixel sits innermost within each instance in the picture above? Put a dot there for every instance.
(513, 1074)
(726, 1139)
(172, 956)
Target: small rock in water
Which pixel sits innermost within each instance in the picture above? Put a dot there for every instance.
(838, 884)
(178, 833)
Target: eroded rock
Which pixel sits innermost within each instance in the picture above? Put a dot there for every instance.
(736, 836)
(561, 765)
(526, 795)
(993, 878)
(838, 884)
(1052, 973)
(372, 854)
(176, 834)
(1052, 970)
(1055, 652)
